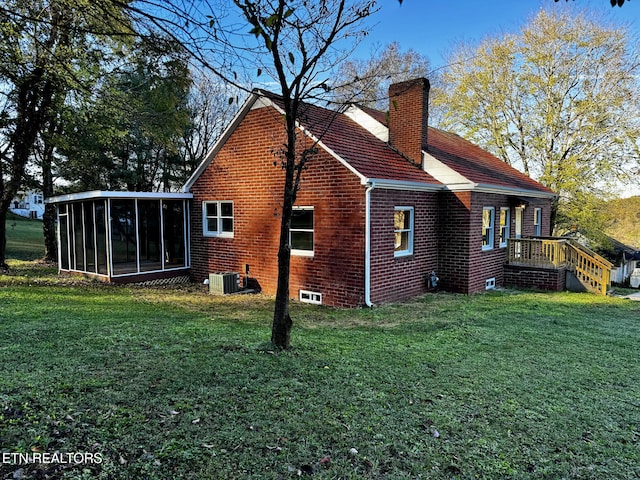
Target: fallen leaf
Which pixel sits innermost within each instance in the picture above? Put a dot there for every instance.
(174, 412)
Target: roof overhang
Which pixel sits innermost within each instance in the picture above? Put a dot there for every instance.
(104, 194)
(521, 192)
(403, 185)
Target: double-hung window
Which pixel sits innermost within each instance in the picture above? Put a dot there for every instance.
(488, 227)
(403, 229)
(301, 231)
(505, 225)
(537, 222)
(217, 219)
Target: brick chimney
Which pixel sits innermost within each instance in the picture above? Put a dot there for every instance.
(408, 117)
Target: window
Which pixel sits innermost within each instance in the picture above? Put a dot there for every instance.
(537, 222)
(488, 226)
(403, 230)
(217, 219)
(301, 231)
(505, 225)
(310, 297)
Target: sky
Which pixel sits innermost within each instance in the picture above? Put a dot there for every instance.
(434, 27)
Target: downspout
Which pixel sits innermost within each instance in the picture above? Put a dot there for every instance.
(367, 245)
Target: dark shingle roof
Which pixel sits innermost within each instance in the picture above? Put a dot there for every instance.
(477, 164)
(367, 154)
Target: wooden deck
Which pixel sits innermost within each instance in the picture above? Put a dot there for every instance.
(591, 270)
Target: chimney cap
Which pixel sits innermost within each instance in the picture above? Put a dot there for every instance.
(399, 87)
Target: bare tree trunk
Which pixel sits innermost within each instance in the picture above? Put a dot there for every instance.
(3, 237)
(49, 217)
(282, 323)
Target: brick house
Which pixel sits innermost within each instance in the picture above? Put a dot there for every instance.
(385, 201)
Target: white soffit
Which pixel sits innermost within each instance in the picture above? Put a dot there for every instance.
(443, 173)
(367, 122)
(105, 194)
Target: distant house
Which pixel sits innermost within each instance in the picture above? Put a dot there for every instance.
(625, 259)
(28, 203)
(386, 201)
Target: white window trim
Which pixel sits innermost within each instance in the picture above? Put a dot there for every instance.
(537, 222)
(307, 296)
(492, 228)
(218, 233)
(411, 230)
(304, 253)
(507, 226)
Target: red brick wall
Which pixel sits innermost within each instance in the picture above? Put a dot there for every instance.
(399, 278)
(447, 238)
(244, 172)
(535, 278)
(453, 240)
(463, 266)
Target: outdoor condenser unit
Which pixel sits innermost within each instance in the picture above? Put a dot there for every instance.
(223, 283)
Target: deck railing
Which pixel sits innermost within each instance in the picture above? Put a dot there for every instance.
(593, 271)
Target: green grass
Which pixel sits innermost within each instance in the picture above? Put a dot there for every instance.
(25, 239)
(174, 383)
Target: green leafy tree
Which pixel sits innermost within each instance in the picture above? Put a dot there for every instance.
(42, 47)
(558, 100)
(129, 134)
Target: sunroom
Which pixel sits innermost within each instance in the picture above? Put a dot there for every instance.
(123, 237)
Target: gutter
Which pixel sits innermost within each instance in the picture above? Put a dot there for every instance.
(367, 245)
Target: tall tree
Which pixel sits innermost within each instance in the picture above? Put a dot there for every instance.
(558, 100)
(40, 42)
(210, 112)
(298, 43)
(128, 135)
(366, 81)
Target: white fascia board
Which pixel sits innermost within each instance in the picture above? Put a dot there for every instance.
(487, 188)
(235, 122)
(367, 122)
(105, 194)
(404, 185)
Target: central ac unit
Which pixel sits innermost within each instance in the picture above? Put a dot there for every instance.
(223, 283)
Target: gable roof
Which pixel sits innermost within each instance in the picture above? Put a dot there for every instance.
(358, 138)
(357, 146)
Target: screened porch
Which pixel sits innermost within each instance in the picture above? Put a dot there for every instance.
(123, 236)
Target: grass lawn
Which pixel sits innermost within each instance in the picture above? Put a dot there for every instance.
(24, 238)
(173, 383)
